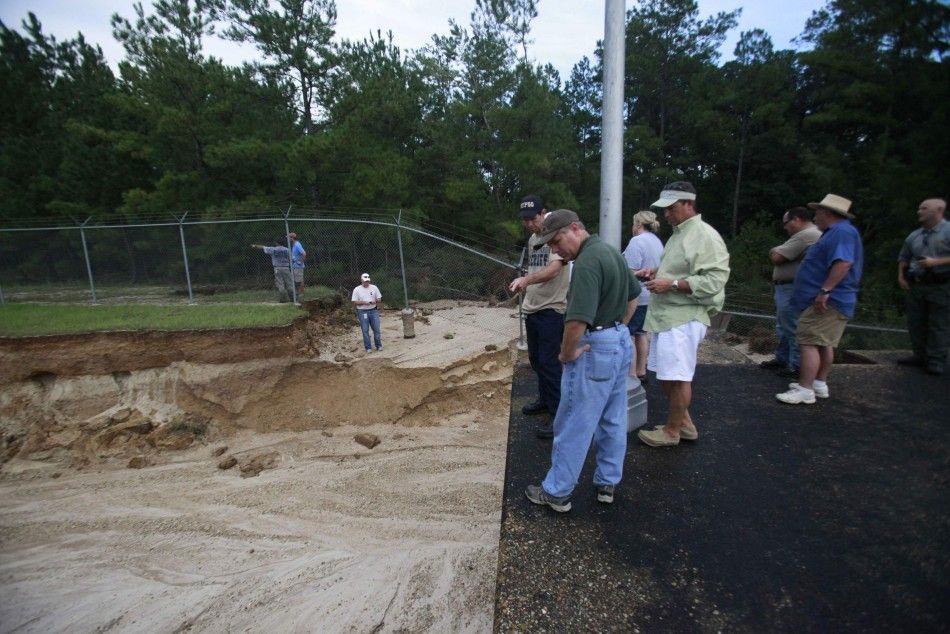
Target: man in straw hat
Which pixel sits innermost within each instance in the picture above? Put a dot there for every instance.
(826, 291)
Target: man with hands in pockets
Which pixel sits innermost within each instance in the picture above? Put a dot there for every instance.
(596, 355)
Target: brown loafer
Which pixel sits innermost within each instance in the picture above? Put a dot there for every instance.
(656, 437)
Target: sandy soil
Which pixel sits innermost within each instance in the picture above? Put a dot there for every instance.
(332, 537)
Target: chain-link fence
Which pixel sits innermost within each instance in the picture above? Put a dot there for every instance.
(200, 261)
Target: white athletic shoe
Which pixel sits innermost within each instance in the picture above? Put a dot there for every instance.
(796, 396)
(820, 392)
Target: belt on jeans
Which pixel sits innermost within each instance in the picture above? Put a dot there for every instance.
(591, 329)
(780, 282)
(366, 310)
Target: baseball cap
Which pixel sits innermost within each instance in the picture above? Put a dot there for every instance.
(554, 222)
(364, 277)
(673, 193)
(531, 206)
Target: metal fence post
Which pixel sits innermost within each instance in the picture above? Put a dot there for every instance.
(290, 255)
(1, 295)
(85, 251)
(522, 344)
(402, 261)
(184, 254)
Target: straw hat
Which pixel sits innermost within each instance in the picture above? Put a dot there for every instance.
(835, 204)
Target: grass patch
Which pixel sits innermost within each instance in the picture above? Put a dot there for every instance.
(264, 295)
(24, 320)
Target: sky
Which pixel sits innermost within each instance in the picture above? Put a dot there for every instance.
(563, 33)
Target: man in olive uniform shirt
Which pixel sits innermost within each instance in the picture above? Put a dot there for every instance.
(687, 289)
(596, 353)
(923, 271)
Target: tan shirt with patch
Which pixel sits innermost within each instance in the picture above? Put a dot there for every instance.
(793, 250)
(551, 294)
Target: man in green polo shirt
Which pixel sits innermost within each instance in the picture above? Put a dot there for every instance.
(596, 355)
(688, 288)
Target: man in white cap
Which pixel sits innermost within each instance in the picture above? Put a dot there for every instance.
(826, 292)
(366, 298)
(687, 289)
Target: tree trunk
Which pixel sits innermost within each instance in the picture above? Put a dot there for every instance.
(735, 197)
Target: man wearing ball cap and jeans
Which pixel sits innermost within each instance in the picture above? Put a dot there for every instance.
(596, 355)
(687, 289)
(826, 291)
(544, 302)
(366, 297)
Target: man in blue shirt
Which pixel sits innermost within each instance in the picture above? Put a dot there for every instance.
(826, 291)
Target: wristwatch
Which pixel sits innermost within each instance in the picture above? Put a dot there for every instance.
(825, 291)
(676, 285)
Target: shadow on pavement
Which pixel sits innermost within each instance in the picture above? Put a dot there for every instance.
(829, 517)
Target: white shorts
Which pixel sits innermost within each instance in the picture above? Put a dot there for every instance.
(673, 352)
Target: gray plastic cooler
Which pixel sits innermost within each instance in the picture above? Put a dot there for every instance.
(636, 404)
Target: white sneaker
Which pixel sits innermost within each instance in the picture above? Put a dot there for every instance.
(797, 395)
(820, 392)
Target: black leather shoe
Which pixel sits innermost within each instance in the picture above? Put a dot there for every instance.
(534, 408)
(772, 364)
(787, 373)
(544, 431)
(914, 361)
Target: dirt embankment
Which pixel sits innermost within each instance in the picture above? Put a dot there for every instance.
(376, 493)
(98, 396)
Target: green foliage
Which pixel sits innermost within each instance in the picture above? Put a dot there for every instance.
(461, 129)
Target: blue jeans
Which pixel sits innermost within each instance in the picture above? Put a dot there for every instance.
(593, 407)
(369, 319)
(785, 324)
(544, 331)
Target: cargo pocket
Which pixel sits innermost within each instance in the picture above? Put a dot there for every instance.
(601, 363)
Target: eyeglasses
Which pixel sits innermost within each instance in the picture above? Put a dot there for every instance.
(785, 222)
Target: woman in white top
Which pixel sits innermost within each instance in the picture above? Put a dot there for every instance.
(643, 251)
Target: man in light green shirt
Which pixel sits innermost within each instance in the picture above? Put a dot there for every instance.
(688, 288)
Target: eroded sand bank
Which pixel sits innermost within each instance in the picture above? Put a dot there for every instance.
(334, 537)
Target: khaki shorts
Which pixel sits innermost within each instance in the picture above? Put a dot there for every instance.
(820, 329)
(298, 275)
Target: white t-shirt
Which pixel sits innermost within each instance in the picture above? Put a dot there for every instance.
(366, 294)
(644, 252)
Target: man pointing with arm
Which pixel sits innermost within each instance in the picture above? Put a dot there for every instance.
(545, 298)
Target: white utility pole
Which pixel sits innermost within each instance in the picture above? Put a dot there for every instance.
(611, 153)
